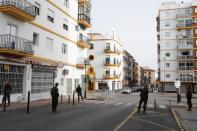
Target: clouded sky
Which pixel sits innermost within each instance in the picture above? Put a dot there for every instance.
(135, 23)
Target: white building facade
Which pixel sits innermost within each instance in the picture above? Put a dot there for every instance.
(176, 26)
(108, 61)
(43, 42)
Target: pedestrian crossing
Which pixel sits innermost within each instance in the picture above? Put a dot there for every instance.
(96, 102)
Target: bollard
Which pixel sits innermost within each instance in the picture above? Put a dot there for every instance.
(73, 98)
(68, 99)
(61, 99)
(155, 105)
(4, 104)
(28, 102)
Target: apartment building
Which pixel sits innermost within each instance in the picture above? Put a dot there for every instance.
(108, 65)
(177, 36)
(128, 61)
(136, 74)
(43, 42)
(149, 76)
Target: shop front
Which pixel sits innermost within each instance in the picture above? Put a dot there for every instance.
(42, 80)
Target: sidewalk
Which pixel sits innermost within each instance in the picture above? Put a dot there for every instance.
(175, 95)
(36, 103)
(187, 120)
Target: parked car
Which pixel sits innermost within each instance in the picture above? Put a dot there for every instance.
(126, 90)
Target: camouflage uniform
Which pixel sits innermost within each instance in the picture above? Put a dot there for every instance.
(144, 98)
(54, 95)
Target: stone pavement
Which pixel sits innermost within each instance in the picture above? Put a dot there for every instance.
(187, 120)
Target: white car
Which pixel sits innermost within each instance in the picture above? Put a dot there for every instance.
(126, 90)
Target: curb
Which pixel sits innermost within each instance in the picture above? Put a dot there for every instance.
(178, 120)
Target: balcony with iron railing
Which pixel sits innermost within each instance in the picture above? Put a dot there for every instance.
(83, 41)
(108, 76)
(184, 26)
(184, 13)
(186, 79)
(112, 62)
(84, 13)
(15, 46)
(184, 68)
(184, 36)
(185, 45)
(111, 76)
(185, 57)
(21, 9)
(112, 50)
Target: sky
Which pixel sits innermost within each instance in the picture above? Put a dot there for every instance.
(134, 22)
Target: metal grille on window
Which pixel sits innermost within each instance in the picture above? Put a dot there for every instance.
(42, 81)
(13, 74)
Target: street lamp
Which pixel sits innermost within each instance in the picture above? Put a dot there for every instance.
(164, 74)
(85, 63)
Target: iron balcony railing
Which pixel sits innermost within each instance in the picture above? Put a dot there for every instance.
(185, 57)
(83, 38)
(179, 25)
(185, 68)
(111, 75)
(84, 17)
(184, 46)
(23, 5)
(13, 42)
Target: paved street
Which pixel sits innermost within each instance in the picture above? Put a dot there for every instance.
(92, 115)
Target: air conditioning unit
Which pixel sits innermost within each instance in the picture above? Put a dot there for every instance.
(65, 72)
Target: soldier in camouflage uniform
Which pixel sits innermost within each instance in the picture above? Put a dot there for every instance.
(143, 99)
(54, 95)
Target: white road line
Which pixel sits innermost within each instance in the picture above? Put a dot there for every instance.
(90, 101)
(162, 106)
(148, 105)
(129, 104)
(118, 103)
(109, 103)
(99, 102)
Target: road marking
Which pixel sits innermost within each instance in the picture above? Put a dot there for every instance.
(153, 123)
(99, 102)
(109, 103)
(90, 101)
(162, 106)
(148, 105)
(129, 104)
(153, 115)
(118, 104)
(177, 120)
(125, 120)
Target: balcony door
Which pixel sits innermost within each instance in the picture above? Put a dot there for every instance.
(11, 29)
(11, 37)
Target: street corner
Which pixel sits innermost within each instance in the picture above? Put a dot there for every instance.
(153, 120)
(178, 119)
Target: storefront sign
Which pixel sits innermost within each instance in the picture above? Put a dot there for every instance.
(43, 67)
